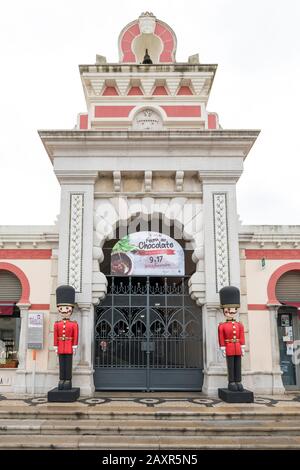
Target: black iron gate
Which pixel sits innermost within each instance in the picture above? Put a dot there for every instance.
(148, 336)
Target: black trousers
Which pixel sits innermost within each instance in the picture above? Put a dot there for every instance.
(65, 366)
(234, 368)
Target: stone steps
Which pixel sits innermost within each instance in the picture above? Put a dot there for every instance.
(70, 412)
(148, 428)
(69, 426)
(43, 442)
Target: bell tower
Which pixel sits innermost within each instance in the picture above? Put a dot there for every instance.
(148, 145)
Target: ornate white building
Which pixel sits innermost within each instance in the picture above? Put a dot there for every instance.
(149, 157)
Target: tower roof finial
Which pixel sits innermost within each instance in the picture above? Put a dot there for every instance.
(147, 58)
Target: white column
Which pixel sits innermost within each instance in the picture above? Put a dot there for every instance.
(75, 257)
(85, 334)
(215, 369)
(23, 335)
(221, 245)
(75, 260)
(277, 385)
(221, 265)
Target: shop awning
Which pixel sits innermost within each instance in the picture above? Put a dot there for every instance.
(6, 307)
(292, 304)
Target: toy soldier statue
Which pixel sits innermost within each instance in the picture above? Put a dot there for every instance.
(232, 337)
(65, 335)
(232, 343)
(65, 344)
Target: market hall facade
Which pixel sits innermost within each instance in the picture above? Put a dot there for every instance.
(148, 233)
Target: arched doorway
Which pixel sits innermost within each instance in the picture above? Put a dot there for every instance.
(10, 321)
(148, 330)
(288, 294)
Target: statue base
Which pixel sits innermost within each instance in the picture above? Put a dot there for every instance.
(63, 396)
(235, 397)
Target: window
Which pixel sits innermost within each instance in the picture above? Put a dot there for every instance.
(10, 321)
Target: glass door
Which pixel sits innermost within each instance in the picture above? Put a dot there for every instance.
(288, 333)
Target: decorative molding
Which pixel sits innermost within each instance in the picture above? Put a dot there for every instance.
(272, 254)
(123, 85)
(117, 181)
(40, 307)
(148, 181)
(173, 84)
(148, 85)
(221, 240)
(75, 241)
(258, 307)
(147, 120)
(25, 254)
(186, 145)
(97, 86)
(76, 176)
(22, 278)
(135, 194)
(271, 288)
(147, 23)
(179, 180)
(197, 85)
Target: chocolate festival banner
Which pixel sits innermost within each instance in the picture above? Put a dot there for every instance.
(147, 253)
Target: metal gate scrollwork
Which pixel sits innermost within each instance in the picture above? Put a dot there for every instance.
(148, 335)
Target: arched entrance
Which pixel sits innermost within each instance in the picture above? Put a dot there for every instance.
(148, 330)
(10, 321)
(288, 294)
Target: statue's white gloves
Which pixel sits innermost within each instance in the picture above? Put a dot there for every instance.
(74, 349)
(223, 349)
(55, 349)
(243, 350)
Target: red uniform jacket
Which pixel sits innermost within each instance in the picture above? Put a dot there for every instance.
(65, 336)
(232, 336)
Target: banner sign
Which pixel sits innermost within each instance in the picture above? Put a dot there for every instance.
(35, 331)
(147, 253)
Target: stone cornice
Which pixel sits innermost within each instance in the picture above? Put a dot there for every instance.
(95, 77)
(271, 234)
(76, 177)
(115, 68)
(18, 234)
(219, 176)
(218, 143)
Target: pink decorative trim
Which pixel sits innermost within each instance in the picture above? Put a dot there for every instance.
(126, 43)
(22, 278)
(272, 299)
(40, 307)
(161, 31)
(25, 254)
(182, 111)
(184, 90)
(83, 121)
(272, 254)
(135, 90)
(212, 121)
(110, 91)
(168, 41)
(112, 111)
(257, 307)
(160, 90)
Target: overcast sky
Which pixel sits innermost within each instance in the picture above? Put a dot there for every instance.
(256, 44)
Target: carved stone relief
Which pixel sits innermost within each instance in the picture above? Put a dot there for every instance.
(221, 240)
(75, 241)
(147, 120)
